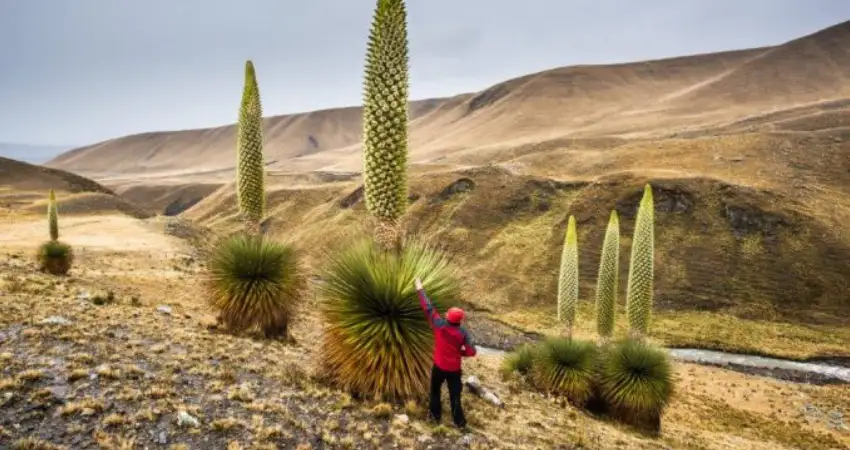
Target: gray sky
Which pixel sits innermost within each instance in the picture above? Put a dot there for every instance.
(74, 72)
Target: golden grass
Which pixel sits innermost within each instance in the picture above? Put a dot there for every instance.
(706, 330)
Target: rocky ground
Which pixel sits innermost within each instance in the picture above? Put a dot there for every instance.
(123, 354)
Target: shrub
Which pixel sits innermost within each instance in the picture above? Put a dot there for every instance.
(566, 367)
(55, 257)
(377, 340)
(636, 382)
(255, 282)
(639, 288)
(519, 361)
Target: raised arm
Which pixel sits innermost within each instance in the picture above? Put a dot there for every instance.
(433, 316)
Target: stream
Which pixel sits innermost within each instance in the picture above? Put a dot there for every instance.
(784, 369)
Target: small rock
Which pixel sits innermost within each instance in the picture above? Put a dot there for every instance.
(163, 438)
(83, 295)
(55, 320)
(401, 418)
(164, 309)
(423, 438)
(185, 419)
(465, 440)
(59, 393)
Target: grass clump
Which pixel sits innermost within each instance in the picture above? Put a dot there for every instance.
(566, 367)
(636, 382)
(518, 362)
(255, 283)
(55, 257)
(377, 341)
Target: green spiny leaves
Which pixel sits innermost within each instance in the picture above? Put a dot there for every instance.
(250, 172)
(569, 277)
(607, 282)
(385, 112)
(639, 290)
(53, 216)
(377, 341)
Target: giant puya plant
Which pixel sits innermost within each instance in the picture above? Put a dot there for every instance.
(641, 268)
(635, 378)
(385, 120)
(253, 281)
(377, 341)
(54, 256)
(629, 378)
(568, 279)
(607, 280)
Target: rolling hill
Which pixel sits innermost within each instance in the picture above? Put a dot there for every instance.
(650, 98)
(24, 187)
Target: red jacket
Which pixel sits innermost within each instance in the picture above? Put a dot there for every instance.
(451, 342)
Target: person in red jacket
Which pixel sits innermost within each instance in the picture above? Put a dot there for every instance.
(451, 343)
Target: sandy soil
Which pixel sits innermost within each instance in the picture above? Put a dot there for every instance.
(97, 233)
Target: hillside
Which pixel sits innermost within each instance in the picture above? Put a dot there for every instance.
(648, 98)
(754, 189)
(24, 187)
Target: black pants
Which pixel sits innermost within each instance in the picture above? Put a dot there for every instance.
(453, 379)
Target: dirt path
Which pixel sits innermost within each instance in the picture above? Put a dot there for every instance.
(100, 233)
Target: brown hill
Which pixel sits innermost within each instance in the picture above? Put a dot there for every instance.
(24, 187)
(641, 98)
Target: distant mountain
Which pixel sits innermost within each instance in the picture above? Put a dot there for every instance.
(552, 107)
(34, 154)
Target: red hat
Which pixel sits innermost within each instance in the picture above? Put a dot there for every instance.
(454, 315)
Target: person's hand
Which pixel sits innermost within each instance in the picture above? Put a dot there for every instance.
(418, 284)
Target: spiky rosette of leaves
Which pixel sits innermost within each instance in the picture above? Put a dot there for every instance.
(385, 112)
(607, 282)
(55, 257)
(636, 382)
(519, 361)
(569, 276)
(377, 339)
(566, 367)
(255, 283)
(639, 288)
(250, 172)
(52, 216)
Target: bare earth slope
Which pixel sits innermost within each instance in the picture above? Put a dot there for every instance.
(24, 188)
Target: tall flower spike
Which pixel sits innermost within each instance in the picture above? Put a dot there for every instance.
(639, 290)
(385, 115)
(250, 172)
(607, 282)
(569, 277)
(53, 216)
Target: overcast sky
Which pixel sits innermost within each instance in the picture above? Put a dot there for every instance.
(74, 72)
